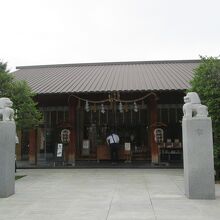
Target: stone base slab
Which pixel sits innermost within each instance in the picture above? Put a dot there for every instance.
(198, 158)
(7, 158)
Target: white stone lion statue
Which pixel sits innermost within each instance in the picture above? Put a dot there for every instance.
(6, 112)
(193, 106)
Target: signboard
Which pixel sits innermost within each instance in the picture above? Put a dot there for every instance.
(59, 154)
(59, 150)
(86, 144)
(85, 148)
(127, 146)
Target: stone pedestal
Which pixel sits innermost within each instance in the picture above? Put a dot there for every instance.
(198, 158)
(7, 158)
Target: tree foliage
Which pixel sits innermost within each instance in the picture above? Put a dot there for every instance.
(206, 83)
(19, 92)
(6, 80)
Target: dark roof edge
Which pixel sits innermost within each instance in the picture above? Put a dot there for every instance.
(107, 92)
(109, 63)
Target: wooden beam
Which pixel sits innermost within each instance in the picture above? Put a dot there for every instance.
(72, 143)
(153, 121)
(32, 147)
(18, 146)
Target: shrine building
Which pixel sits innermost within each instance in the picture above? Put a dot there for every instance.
(81, 103)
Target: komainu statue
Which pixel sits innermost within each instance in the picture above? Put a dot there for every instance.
(193, 106)
(6, 112)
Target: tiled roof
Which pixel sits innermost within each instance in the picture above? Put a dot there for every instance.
(105, 77)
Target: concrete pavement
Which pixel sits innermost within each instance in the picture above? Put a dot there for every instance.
(105, 194)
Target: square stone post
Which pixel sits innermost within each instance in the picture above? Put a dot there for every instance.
(7, 158)
(198, 158)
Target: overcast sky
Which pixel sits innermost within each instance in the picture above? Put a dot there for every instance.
(37, 32)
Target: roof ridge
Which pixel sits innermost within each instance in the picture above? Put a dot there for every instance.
(109, 63)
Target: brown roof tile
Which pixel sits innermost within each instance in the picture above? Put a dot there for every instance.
(105, 77)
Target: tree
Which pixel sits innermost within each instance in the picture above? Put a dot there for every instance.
(206, 82)
(27, 115)
(6, 80)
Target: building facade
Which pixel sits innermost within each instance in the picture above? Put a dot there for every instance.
(81, 103)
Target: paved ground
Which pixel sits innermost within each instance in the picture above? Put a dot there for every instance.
(105, 194)
(94, 164)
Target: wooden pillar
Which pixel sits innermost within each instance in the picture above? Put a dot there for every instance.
(72, 143)
(32, 146)
(18, 146)
(153, 121)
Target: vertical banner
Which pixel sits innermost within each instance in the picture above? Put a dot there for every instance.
(59, 154)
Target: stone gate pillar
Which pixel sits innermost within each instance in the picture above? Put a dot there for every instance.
(198, 149)
(7, 148)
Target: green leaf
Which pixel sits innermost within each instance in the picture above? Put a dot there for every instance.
(21, 95)
(206, 82)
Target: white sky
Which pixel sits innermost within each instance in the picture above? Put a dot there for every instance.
(37, 32)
